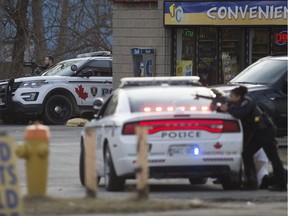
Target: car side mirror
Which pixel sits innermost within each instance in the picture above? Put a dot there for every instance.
(98, 103)
(74, 68)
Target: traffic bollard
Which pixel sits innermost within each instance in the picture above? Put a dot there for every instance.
(89, 163)
(142, 169)
(35, 151)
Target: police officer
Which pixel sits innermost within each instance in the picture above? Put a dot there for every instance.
(49, 61)
(259, 132)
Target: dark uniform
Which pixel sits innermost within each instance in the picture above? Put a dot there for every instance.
(259, 132)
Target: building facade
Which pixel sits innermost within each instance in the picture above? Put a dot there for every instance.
(211, 39)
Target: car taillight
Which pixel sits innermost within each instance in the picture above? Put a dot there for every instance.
(230, 126)
(129, 128)
(210, 125)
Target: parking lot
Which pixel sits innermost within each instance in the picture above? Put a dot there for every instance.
(63, 180)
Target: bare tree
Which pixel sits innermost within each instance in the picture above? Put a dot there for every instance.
(38, 32)
(62, 28)
(18, 14)
(62, 37)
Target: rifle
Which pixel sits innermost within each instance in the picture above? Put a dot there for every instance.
(34, 67)
(216, 101)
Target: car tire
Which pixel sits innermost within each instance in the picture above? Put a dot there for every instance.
(82, 166)
(232, 181)
(198, 180)
(57, 110)
(112, 181)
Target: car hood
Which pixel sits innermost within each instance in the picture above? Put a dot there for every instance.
(33, 78)
(226, 88)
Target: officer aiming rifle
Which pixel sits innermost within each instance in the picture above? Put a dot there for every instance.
(217, 100)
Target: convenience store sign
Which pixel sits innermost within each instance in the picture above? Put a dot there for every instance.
(225, 13)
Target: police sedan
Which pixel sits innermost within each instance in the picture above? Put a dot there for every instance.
(186, 137)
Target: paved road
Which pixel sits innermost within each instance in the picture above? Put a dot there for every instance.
(63, 178)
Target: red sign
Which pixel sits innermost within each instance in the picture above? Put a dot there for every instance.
(281, 38)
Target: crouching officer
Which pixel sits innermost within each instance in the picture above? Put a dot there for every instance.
(259, 132)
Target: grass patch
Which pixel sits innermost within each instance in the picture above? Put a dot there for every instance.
(45, 206)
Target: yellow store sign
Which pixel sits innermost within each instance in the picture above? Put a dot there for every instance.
(225, 13)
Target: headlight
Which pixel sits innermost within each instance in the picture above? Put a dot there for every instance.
(32, 84)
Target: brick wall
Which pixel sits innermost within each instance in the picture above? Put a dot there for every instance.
(139, 25)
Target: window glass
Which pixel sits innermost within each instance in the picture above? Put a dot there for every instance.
(111, 106)
(100, 67)
(207, 55)
(259, 44)
(262, 72)
(230, 47)
(185, 51)
(279, 43)
(167, 99)
(63, 68)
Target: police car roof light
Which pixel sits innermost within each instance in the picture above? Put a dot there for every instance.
(92, 54)
(148, 81)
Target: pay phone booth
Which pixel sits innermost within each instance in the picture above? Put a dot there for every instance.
(143, 62)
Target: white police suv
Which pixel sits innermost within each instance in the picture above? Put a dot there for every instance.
(65, 90)
(186, 137)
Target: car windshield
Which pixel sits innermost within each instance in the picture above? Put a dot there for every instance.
(161, 99)
(262, 72)
(63, 68)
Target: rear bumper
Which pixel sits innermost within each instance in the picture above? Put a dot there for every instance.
(189, 171)
(213, 167)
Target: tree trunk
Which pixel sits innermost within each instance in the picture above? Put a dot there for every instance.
(19, 16)
(61, 42)
(38, 32)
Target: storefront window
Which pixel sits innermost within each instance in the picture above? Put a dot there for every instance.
(207, 55)
(185, 51)
(259, 44)
(230, 52)
(279, 41)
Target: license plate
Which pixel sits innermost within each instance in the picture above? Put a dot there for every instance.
(178, 150)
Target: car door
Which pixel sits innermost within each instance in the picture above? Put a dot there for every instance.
(92, 85)
(280, 103)
(105, 128)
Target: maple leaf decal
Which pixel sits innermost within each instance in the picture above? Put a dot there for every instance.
(81, 92)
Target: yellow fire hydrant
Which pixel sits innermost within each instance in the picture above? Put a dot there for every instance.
(35, 150)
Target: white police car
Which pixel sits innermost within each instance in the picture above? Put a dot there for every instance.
(65, 90)
(186, 138)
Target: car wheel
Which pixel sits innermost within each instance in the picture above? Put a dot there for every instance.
(232, 181)
(112, 181)
(82, 165)
(57, 110)
(198, 180)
